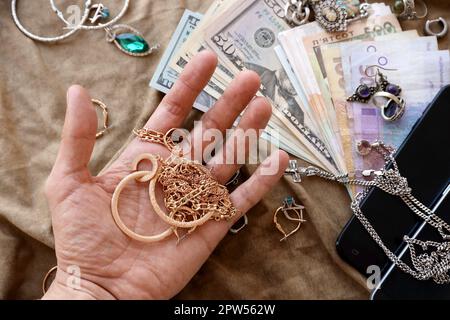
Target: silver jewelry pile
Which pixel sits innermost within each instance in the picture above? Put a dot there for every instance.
(127, 39)
(434, 260)
(330, 14)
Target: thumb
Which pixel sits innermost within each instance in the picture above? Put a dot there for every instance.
(78, 135)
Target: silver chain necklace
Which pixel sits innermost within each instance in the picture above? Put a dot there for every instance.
(434, 262)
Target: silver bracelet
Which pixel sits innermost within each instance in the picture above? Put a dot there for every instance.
(48, 39)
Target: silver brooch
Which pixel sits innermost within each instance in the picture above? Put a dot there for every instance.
(330, 15)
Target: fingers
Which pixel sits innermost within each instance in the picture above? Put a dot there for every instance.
(235, 98)
(247, 195)
(78, 135)
(223, 114)
(261, 182)
(176, 105)
(235, 151)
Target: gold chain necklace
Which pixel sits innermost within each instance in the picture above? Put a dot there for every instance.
(191, 194)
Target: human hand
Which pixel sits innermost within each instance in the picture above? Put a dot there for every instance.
(112, 265)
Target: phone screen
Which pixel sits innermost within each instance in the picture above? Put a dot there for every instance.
(424, 160)
(399, 285)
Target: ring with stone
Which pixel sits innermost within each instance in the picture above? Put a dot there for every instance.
(406, 9)
(392, 107)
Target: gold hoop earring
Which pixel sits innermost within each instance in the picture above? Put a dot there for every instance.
(140, 176)
(47, 275)
(289, 205)
(102, 106)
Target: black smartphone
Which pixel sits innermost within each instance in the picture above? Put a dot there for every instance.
(398, 285)
(424, 159)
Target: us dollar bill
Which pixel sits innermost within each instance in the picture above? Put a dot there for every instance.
(165, 76)
(245, 37)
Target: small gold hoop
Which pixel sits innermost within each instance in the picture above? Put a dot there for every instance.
(141, 176)
(155, 168)
(299, 219)
(102, 106)
(47, 275)
(171, 145)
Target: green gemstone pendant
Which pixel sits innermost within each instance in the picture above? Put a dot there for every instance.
(131, 42)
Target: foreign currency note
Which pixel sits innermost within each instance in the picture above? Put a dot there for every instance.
(420, 75)
(290, 73)
(222, 77)
(301, 46)
(334, 66)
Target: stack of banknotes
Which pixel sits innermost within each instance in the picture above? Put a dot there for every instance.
(307, 74)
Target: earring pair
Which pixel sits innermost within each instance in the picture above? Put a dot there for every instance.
(288, 206)
(385, 95)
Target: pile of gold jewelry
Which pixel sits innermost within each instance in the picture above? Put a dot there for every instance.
(191, 194)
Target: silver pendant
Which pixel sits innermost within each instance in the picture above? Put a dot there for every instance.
(433, 260)
(293, 171)
(330, 15)
(333, 16)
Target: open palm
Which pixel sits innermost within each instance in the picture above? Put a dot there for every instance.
(112, 265)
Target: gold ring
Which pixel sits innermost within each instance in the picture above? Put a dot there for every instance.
(44, 282)
(102, 106)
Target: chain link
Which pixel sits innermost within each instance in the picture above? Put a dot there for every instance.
(433, 265)
(296, 12)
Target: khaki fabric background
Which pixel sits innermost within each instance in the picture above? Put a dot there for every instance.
(34, 78)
